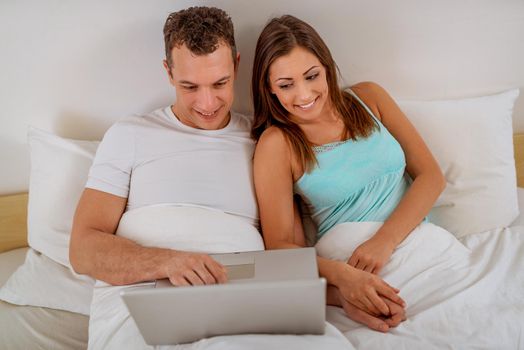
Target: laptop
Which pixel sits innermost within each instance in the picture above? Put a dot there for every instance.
(271, 291)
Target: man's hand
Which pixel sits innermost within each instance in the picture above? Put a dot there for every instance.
(185, 268)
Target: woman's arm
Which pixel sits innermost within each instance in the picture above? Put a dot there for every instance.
(273, 177)
(428, 181)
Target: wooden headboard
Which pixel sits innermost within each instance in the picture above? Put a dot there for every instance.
(518, 144)
(13, 221)
(13, 208)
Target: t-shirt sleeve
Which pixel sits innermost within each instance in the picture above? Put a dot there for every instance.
(114, 160)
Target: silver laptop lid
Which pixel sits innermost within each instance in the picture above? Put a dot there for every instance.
(285, 296)
(185, 314)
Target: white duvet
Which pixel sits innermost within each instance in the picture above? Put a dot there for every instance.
(460, 295)
(189, 229)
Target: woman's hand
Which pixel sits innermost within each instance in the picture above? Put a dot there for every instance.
(378, 323)
(372, 255)
(367, 291)
(397, 314)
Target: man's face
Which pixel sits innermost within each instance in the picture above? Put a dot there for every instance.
(204, 86)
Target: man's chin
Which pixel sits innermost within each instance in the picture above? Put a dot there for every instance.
(213, 123)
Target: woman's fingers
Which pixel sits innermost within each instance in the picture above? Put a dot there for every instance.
(353, 260)
(391, 293)
(369, 268)
(378, 303)
(365, 318)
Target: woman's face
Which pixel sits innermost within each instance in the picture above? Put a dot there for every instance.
(298, 79)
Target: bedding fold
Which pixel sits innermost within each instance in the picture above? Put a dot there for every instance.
(465, 294)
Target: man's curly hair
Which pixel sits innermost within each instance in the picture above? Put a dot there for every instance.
(202, 29)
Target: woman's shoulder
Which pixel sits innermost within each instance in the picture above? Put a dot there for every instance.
(274, 150)
(272, 137)
(367, 88)
(273, 142)
(372, 94)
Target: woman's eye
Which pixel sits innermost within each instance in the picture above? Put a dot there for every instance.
(312, 77)
(285, 86)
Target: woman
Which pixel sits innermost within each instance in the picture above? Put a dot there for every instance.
(345, 153)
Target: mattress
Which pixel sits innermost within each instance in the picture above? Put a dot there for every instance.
(9, 261)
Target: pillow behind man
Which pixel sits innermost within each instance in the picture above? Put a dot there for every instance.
(59, 168)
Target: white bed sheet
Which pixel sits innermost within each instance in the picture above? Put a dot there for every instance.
(471, 299)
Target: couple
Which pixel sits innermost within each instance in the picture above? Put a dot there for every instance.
(345, 153)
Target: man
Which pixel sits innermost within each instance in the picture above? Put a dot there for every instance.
(165, 157)
(201, 63)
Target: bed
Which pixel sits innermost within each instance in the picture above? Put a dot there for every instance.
(499, 253)
(472, 122)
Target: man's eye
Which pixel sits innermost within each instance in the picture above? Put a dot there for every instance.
(221, 84)
(189, 87)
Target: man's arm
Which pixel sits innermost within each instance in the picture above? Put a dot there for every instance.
(95, 250)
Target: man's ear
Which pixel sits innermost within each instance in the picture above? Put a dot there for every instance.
(168, 71)
(237, 63)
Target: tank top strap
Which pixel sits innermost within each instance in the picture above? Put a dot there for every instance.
(364, 105)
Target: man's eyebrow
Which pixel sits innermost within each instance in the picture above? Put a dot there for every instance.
(185, 82)
(306, 72)
(221, 80)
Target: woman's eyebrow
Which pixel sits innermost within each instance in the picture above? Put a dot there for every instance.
(306, 72)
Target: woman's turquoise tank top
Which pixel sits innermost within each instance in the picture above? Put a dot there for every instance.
(360, 180)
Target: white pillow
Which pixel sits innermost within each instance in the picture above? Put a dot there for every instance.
(59, 169)
(472, 142)
(43, 282)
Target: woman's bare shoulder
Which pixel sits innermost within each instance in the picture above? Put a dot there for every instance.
(272, 137)
(372, 94)
(367, 88)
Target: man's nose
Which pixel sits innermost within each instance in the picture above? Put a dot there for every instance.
(206, 100)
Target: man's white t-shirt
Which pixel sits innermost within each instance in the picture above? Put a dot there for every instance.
(155, 159)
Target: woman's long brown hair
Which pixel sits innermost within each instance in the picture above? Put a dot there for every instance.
(277, 39)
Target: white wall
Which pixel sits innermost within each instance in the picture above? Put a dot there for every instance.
(74, 67)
